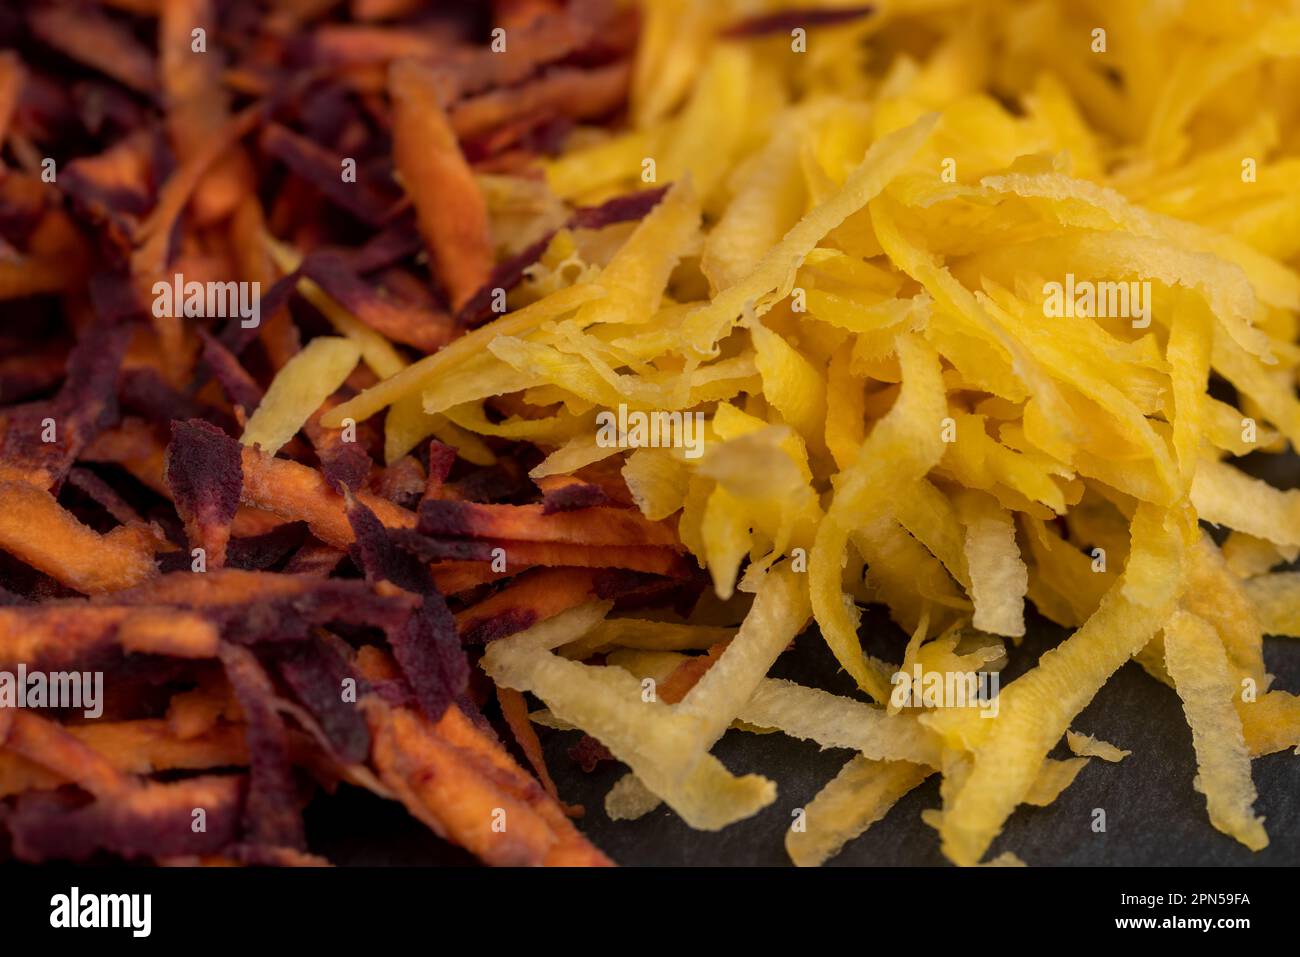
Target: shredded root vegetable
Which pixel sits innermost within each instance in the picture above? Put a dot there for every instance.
(625, 367)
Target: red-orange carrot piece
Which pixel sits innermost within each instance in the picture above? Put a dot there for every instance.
(99, 41)
(685, 676)
(198, 106)
(47, 744)
(38, 530)
(515, 710)
(459, 782)
(298, 493)
(530, 523)
(11, 84)
(449, 208)
(528, 599)
(130, 747)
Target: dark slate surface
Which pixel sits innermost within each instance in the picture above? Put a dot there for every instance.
(1154, 817)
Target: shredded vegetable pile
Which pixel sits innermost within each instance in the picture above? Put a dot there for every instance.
(630, 351)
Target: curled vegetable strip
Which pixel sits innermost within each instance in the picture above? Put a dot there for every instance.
(1037, 708)
(884, 161)
(665, 745)
(1197, 663)
(900, 450)
(859, 796)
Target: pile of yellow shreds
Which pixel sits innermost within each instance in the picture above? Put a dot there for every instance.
(849, 278)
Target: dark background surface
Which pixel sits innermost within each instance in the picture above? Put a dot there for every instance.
(1153, 815)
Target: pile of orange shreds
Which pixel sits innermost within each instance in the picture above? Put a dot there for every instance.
(843, 237)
